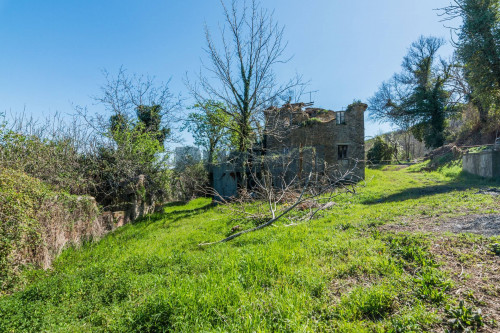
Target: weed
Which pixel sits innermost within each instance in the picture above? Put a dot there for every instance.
(412, 249)
(432, 285)
(373, 303)
(154, 315)
(464, 319)
(343, 226)
(495, 248)
(404, 325)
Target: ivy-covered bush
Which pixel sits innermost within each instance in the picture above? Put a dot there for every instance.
(380, 152)
(310, 121)
(36, 223)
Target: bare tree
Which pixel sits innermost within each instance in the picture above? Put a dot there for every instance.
(241, 71)
(124, 95)
(457, 85)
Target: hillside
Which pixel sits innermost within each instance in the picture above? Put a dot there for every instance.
(384, 259)
(37, 222)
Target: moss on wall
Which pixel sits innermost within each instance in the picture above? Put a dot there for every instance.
(36, 223)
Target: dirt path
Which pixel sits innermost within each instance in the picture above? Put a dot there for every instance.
(487, 225)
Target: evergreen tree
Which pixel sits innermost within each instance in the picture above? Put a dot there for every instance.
(380, 152)
(150, 118)
(417, 95)
(478, 49)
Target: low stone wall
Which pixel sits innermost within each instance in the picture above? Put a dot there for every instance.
(485, 163)
(67, 221)
(38, 222)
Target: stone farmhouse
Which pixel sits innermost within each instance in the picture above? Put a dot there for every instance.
(312, 139)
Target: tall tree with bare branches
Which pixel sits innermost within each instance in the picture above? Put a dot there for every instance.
(240, 70)
(126, 97)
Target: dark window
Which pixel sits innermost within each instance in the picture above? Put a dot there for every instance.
(340, 117)
(342, 149)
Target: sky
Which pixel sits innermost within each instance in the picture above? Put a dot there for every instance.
(52, 53)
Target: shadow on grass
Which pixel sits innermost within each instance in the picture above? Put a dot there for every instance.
(464, 181)
(161, 219)
(384, 167)
(377, 166)
(180, 209)
(175, 204)
(416, 193)
(176, 215)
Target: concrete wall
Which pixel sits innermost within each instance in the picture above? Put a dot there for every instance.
(485, 164)
(224, 181)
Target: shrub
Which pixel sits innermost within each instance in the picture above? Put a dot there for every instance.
(310, 122)
(36, 223)
(380, 152)
(55, 161)
(189, 182)
(105, 165)
(116, 169)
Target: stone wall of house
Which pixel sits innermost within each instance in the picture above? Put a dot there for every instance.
(297, 142)
(293, 128)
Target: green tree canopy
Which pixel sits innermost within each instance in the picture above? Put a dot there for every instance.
(380, 152)
(478, 49)
(211, 127)
(417, 96)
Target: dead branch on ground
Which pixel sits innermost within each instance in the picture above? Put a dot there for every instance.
(278, 190)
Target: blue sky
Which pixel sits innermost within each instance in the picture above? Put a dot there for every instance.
(52, 52)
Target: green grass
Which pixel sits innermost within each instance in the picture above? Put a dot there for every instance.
(335, 273)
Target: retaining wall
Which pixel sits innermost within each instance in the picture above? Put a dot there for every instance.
(485, 163)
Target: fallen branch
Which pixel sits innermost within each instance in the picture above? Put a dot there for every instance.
(271, 192)
(268, 223)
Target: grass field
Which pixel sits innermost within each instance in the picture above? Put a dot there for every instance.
(352, 270)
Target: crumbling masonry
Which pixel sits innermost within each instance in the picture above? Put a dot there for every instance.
(312, 138)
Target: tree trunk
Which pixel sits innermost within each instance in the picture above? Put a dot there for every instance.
(245, 136)
(483, 112)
